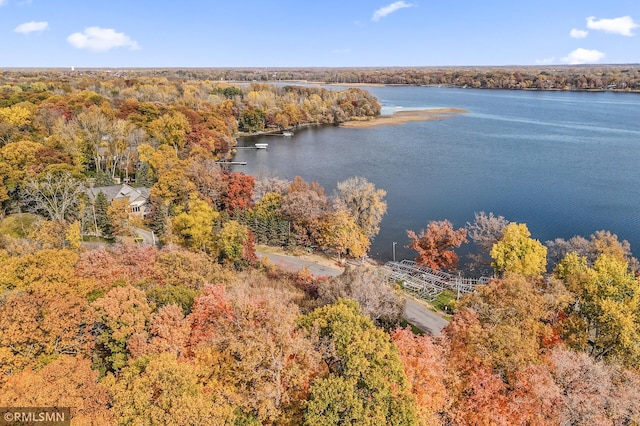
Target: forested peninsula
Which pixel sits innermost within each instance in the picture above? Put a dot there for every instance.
(131, 289)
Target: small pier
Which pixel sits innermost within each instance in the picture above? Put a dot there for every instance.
(256, 146)
(232, 163)
(285, 134)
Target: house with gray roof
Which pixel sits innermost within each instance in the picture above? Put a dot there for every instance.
(138, 198)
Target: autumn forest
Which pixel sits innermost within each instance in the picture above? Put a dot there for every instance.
(132, 292)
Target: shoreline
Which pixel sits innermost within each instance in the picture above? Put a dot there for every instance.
(397, 118)
(401, 117)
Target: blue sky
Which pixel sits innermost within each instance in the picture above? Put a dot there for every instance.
(327, 33)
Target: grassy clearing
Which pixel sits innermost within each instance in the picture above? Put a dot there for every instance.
(19, 225)
(445, 303)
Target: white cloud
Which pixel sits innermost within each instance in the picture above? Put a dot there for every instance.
(576, 33)
(623, 25)
(101, 39)
(3, 2)
(389, 9)
(31, 27)
(583, 56)
(545, 61)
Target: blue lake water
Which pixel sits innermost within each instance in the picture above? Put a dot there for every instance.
(564, 163)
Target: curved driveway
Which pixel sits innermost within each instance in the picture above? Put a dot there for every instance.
(415, 311)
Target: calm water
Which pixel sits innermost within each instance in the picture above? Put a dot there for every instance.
(563, 163)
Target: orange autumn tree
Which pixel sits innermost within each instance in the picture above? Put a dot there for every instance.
(122, 315)
(251, 350)
(495, 348)
(434, 245)
(36, 327)
(68, 381)
(103, 268)
(169, 331)
(424, 366)
(476, 392)
(304, 205)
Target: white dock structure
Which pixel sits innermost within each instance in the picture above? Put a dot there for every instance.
(428, 283)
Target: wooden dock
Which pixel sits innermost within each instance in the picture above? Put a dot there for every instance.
(285, 134)
(253, 147)
(232, 163)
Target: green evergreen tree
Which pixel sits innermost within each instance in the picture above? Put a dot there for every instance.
(102, 220)
(103, 179)
(159, 218)
(144, 176)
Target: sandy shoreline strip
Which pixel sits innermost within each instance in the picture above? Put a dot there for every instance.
(401, 117)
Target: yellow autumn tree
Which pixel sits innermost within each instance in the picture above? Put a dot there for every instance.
(171, 129)
(235, 242)
(118, 213)
(517, 253)
(19, 157)
(364, 202)
(605, 320)
(49, 271)
(18, 115)
(194, 227)
(340, 232)
(160, 390)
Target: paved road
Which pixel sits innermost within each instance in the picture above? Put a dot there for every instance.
(416, 312)
(294, 264)
(147, 236)
(423, 318)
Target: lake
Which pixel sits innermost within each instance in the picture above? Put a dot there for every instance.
(564, 163)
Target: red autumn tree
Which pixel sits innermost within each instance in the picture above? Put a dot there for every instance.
(239, 192)
(434, 245)
(209, 308)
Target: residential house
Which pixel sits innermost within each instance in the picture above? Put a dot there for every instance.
(138, 198)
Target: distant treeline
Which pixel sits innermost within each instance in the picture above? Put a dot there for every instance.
(563, 77)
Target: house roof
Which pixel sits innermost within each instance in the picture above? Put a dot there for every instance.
(135, 196)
